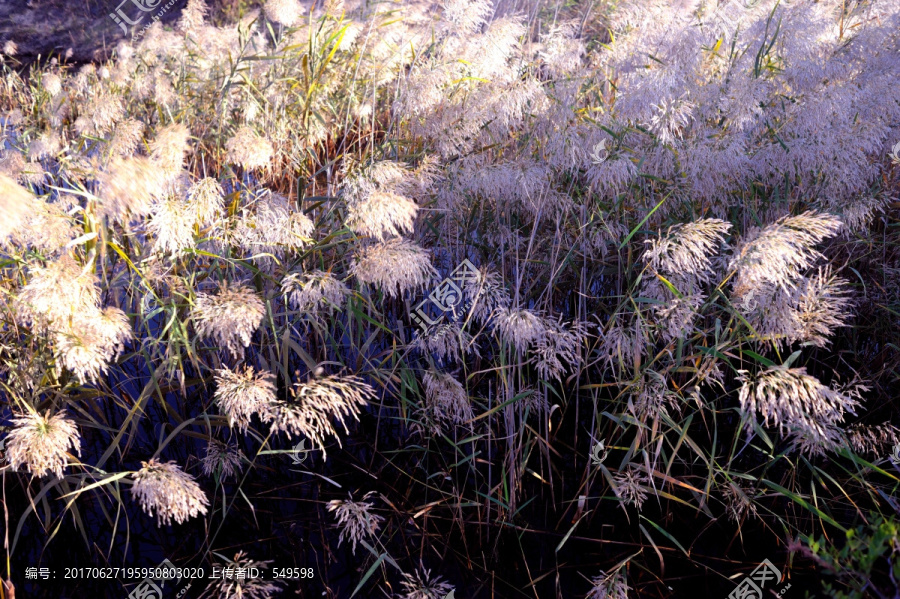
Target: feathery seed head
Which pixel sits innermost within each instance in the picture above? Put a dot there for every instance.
(609, 586)
(228, 457)
(90, 341)
(129, 187)
(286, 12)
(167, 491)
(447, 341)
(172, 224)
(51, 83)
(206, 200)
(57, 292)
(229, 317)
(355, 518)
(792, 398)
(519, 328)
(422, 585)
(394, 266)
(193, 16)
(242, 393)
(683, 256)
(40, 443)
(102, 113)
(16, 205)
(249, 150)
(314, 406)
(776, 255)
(630, 486)
(467, 15)
(168, 149)
(126, 138)
(236, 586)
(447, 403)
(382, 214)
(314, 291)
(824, 306)
(558, 345)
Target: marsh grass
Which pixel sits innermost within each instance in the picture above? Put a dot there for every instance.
(212, 246)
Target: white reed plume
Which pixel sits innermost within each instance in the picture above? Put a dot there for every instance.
(775, 256)
(558, 346)
(236, 583)
(895, 153)
(168, 149)
(468, 15)
(168, 492)
(624, 345)
(101, 114)
(356, 519)
(249, 150)
(172, 225)
(676, 318)
(33, 173)
(378, 197)
(631, 486)
(56, 292)
(486, 294)
(609, 586)
(206, 200)
(519, 328)
(226, 459)
(128, 188)
(314, 291)
(874, 439)
(382, 214)
(422, 585)
(670, 118)
(45, 146)
(16, 205)
(193, 16)
(126, 138)
(791, 398)
(51, 83)
(315, 405)
(447, 403)
(90, 341)
(41, 443)
(651, 398)
(394, 266)
(824, 306)
(684, 256)
(229, 317)
(242, 393)
(47, 229)
(446, 341)
(286, 12)
(274, 224)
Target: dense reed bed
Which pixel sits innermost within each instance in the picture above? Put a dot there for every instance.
(595, 299)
